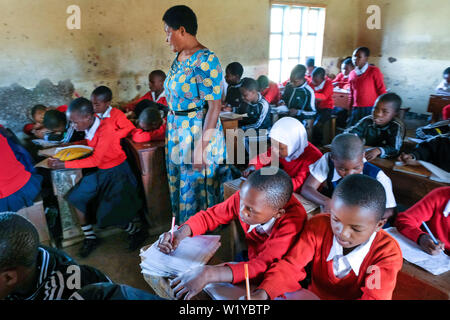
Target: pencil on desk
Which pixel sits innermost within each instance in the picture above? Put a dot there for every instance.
(171, 229)
(429, 232)
(247, 282)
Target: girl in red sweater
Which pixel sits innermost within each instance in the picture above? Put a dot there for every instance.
(351, 256)
(151, 126)
(290, 149)
(271, 218)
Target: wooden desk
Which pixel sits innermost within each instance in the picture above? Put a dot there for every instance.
(435, 105)
(341, 100)
(231, 123)
(149, 159)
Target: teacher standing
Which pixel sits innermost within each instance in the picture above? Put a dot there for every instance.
(195, 140)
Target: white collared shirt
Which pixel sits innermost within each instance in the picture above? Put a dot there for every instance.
(447, 209)
(320, 86)
(263, 228)
(90, 133)
(162, 94)
(105, 114)
(362, 70)
(343, 264)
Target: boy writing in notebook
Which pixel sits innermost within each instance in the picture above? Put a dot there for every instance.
(350, 256)
(270, 216)
(346, 157)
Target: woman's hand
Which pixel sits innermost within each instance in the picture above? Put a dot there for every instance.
(54, 163)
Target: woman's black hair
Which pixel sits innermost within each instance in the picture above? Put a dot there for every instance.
(181, 16)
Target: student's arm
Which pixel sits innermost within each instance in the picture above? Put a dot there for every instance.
(139, 135)
(327, 92)
(51, 136)
(257, 163)
(124, 124)
(359, 128)
(425, 150)
(105, 139)
(310, 192)
(379, 82)
(393, 142)
(303, 172)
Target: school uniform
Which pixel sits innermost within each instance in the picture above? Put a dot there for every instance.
(369, 272)
(258, 114)
(21, 154)
(324, 97)
(440, 128)
(112, 188)
(69, 135)
(59, 277)
(30, 126)
(434, 210)
(342, 81)
(366, 85)
(18, 187)
(266, 243)
(233, 96)
(150, 95)
(443, 88)
(388, 139)
(139, 135)
(301, 98)
(446, 112)
(435, 150)
(272, 93)
(324, 171)
(122, 125)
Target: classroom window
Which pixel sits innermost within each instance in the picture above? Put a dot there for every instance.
(296, 34)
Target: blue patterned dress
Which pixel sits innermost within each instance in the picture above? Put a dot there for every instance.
(189, 85)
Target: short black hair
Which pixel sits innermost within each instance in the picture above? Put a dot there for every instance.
(298, 72)
(263, 82)
(181, 16)
(391, 97)
(150, 115)
(36, 108)
(347, 146)
(277, 187)
(365, 50)
(249, 84)
(318, 72)
(103, 92)
(54, 119)
(157, 73)
(82, 106)
(362, 191)
(446, 71)
(310, 62)
(348, 61)
(144, 104)
(19, 242)
(235, 68)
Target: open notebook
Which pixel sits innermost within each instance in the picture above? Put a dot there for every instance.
(191, 252)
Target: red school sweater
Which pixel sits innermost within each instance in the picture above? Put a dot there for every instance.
(341, 81)
(272, 93)
(263, 249)
(139, 135)
(107, 153)
(148, 96)
(324, 97)
(366, 88)
(13, 175)
(297, 169)
(122, 125)
(314, 245)
(431, 210)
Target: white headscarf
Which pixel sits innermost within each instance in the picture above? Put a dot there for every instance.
(292, 133)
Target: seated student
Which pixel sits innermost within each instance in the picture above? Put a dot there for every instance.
(269, 90)
(341, 80)
(233, 74)
(435, 150)
(350, 256)
(59, 129)
(298, 95)
(290, 145)
(440, 128)
(109, 193)
(18, 187)
(37, 129)
(270, 216)
(20, 152)
(382, 130)
(323, 92)
(366, 85)
(144, 104)
(444, 87)
(29, 271)
(151, 126)
(310, 67)
(434, 210)
(346, 157)
(101, 99)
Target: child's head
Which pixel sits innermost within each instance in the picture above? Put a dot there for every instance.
(233, 73)
(356, 209)
(55, 121)
(263, 197)
(101, 98)
(19, 241)
(298, 75)
(386, 108)
(347, 154)
(347, 66)
(38, 112)
(156, 80)
(289, 138)
(263, 82)
(446, 75)
(360, 56)
(144, 104)
(81, 113)
(150, 119)
(318, 75)
(249, 90)
(310, 65)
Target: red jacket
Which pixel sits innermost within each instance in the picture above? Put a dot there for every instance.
(139, 135)
(297, 169)
(325, 95)
(122, 125)
(263, 250)
(148, 96)
(108, 152)
(272, 93)
(314, 246)
(13, 175)
(446, 112)
(431, 210)
(29, 126)
(366, 88)
(341, 81)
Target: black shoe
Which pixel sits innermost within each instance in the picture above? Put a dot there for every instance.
(88, 246)
(137, 239)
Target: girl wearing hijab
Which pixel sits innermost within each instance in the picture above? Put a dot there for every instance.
(289, 143)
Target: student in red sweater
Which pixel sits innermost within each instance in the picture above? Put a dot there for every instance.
(108, 194)
(351, 256)
(269, 90)
(290, 149)
(341, 80)
(271, 218)
(151, 126)
(36, 129)
(101, 99)
(366, 85)
(434, 210)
